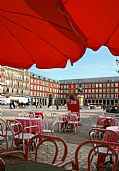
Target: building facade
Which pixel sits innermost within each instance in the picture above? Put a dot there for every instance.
(99, 91)
(21, 83)
(14, 82)
(44, 91)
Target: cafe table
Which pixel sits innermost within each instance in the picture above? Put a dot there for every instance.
(31, 166)
(28, 121)
(69, 119)
(113, 128)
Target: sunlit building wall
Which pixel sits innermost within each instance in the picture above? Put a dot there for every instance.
(103, 90)
(15, 82)
(43, 89)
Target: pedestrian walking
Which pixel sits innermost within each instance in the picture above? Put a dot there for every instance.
(57, 106)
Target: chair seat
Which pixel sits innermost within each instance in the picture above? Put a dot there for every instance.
(73, 122)
(26, 136)
(48, 131)
(97, 126)
(9, 133)
(1, 138)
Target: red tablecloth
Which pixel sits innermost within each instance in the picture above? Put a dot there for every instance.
(72, 119)
(27, 121)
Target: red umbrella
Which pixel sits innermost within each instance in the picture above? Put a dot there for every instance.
(38, 32)
(98, 20)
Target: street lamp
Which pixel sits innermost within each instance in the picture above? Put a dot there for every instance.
(80, 96)
(80, 89)
(117, 62)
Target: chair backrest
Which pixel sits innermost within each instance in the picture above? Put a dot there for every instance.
(3, 126)
(93, 158)
(49, 124)
(2, 165)
(14, 126)
(31, 129)
(16, 129)
(93, 120)
(103, 134)
(49, 149)
(73, 118)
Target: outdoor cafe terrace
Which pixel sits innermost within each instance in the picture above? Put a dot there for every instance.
(71, 137)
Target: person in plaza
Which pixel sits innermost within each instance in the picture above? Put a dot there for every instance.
(57, 106)
(13, 104)
(10, 105)
(40, 105)
(36, 104)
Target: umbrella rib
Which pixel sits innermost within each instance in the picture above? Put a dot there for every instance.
(35, 35)
(107, 41)
(71, 25)
(28, 15)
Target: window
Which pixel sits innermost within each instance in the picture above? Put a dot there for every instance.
(100, 90)
(116, 84)
(100, 85)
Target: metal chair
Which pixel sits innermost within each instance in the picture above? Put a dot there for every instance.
(5, 134)
(93, 159)
(93, 122)
(20, 139)
(49, 149)
(2, 165)
(49, 125)
(104, 135)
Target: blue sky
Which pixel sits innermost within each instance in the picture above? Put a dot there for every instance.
(93, 64)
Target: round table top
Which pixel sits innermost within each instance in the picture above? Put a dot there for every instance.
(32, 166)
(113, 128)
(27, 118)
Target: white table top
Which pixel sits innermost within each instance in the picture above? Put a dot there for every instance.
(108, 117)
(28, 118)
(113, 128)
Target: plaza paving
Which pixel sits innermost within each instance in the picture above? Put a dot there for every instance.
(70, 137)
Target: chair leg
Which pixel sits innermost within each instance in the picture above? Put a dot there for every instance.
(66, 126)
(2, 165)
(75, 129)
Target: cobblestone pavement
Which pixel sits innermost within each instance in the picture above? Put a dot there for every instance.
(69, 136)
(72, 139)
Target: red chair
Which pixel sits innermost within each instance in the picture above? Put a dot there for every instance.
(90, 158)
(48, 149)
(19, 139)
(5, 134)
(93, 122)
(94, 153)
(103, 134)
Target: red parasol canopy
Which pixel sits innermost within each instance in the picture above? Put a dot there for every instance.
(98, 20)
(49, 32)
(38, 32)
